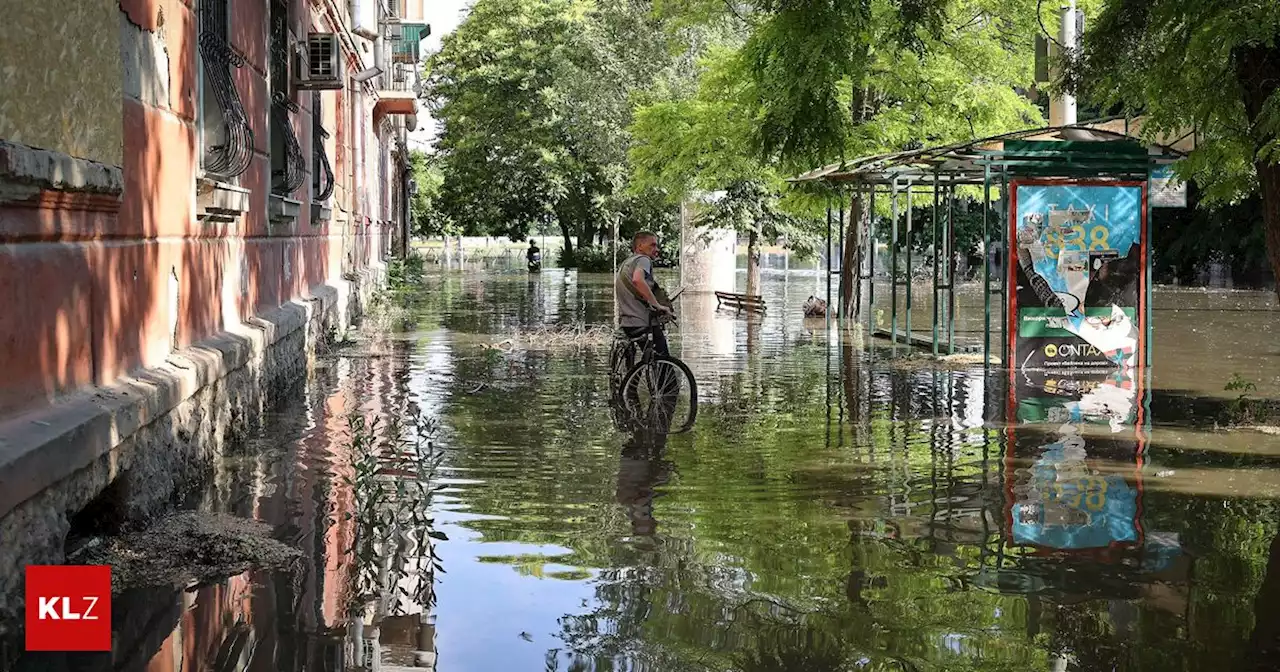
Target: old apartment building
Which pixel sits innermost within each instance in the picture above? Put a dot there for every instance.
(193, 195)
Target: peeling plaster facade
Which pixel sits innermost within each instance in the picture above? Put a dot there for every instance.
(152, 306)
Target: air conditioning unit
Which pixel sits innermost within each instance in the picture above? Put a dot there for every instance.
(322, 67)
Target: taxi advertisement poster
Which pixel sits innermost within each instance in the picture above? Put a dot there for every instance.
(1077, 270)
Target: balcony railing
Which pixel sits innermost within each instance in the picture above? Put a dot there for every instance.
(399, 78)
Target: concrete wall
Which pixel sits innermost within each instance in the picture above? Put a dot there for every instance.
(146, 319)
(59, 68)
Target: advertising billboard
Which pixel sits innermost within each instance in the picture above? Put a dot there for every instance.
(1077, 274)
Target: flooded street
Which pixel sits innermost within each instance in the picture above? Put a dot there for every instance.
(831, 510)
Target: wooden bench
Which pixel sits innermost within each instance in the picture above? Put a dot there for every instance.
(740, 302)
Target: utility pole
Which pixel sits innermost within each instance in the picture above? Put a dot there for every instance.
(1062, 107)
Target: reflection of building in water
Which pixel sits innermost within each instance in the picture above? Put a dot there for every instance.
(302, 619)
(706, 339)
(393, 643)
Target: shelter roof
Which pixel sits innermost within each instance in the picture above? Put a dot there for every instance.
(966, 162)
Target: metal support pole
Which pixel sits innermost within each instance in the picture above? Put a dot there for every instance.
(828, 312)
(893, 271)
(871, 265)
(951, 275)
(909, 272)
(936, 255)
(1007, 353)
(986, 267)
(840, 299)
(1145, 304)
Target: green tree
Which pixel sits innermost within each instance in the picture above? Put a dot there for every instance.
(424, 209)
(1205, 65)
(490, 86)
(801, 89)
(536, 97)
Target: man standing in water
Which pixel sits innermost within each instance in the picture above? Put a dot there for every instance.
(636, 292)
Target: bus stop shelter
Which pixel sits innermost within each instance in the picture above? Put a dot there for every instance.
(1104, 151)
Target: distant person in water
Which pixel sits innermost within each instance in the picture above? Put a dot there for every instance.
(636, 292)
(534, 257)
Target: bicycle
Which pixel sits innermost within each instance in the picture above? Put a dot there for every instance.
(657, 391)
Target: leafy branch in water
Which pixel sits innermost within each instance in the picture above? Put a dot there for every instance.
(1245, 409)
(392, 473)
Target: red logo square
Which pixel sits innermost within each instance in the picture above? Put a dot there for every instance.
(68, 608)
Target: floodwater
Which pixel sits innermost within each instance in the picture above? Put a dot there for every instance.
(833, 509)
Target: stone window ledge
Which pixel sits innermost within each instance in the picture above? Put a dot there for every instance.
(321, 212)
(220, 202)
(26, 171)
(283, 211)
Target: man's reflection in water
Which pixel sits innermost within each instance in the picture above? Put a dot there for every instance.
(640, 470)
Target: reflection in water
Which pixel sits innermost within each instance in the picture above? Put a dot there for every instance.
(834, 508)
(1067, 499)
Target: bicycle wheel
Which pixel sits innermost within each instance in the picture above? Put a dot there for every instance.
(621, 358)
(661, 395)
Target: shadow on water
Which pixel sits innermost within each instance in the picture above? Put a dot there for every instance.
(835, 508)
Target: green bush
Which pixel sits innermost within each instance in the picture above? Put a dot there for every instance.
(592, 259)
(407, 271)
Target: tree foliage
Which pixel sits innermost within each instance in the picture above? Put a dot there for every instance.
(806, 82)
(831, 79)
(424, 206)
(535, 97)
(1197, 65)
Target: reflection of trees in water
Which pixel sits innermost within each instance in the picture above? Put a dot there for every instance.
(764, 508)
(394, 470)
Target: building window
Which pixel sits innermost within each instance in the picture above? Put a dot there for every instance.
(322, 181)
(227, 139)
(288, 167)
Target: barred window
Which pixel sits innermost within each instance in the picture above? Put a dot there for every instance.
(322, 181)
(226, 138)
(288, 167)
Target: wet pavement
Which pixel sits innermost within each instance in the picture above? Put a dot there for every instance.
(833, 509)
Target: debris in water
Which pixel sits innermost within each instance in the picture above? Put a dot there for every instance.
(185, 547)
(815, 307)
(570, 336)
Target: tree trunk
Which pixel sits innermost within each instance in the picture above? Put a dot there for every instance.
(851, 260)
(1269, 179)
(566, 257)
(753, 263)
(588, 236)
(1256, 66)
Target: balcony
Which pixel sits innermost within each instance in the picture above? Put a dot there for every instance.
(396, 93)
(406, 41)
